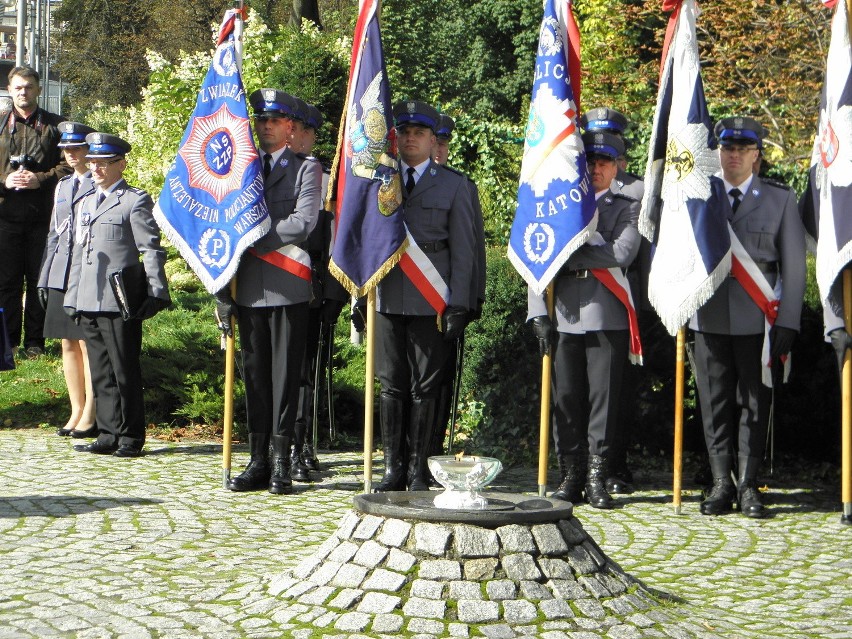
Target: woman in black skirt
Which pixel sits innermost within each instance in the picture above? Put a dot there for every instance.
(53, 281)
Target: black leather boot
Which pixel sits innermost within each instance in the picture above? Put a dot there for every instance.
(572, 469)
(303, 429)
(596, 493)
(392, 418)
(421, 426)
(256, 474)
(280, 482)
(721, 497)
(748, 494)
(620, 480)
(298, 469)
(309, 457)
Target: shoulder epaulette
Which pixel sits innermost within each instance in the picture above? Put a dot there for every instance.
(454, 170)
(624, 196)
(137, 190)
(776, 183)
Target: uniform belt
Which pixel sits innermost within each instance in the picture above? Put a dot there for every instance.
(581, 274)
(433, 247)
(765, 267)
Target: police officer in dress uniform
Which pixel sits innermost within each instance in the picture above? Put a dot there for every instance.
(271, 302)
(609, 120)
(117, 227)
(53, 279)
(729, 328)
(591, 337)
(328, 300)
(413, 344)
(443, 135)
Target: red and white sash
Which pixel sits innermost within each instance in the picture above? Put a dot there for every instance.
(288, 258)
(616, 283)
(766, 297)
(425, 277)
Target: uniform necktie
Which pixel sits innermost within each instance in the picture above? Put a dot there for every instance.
(267, 165)
(409, 183)
(74, 188)
(737, 195)
(101, 198)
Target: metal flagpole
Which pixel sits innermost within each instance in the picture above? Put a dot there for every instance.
(544, 423)
(230, 348)
(369, 382)
(315, 406)
(456, 390)
(846, 411)
(680, 348)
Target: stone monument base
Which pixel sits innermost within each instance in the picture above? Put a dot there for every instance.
(525, 567)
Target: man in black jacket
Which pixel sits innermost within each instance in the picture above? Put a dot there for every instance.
(30, 166)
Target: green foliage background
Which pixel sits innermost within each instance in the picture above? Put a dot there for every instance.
(474, 59)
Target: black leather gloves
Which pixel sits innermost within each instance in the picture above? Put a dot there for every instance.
(840, 341)
(543, 330)
(150, 307)
(780, 342)
(453, 322)
(330, 312)
(226, 308)
(42, 297)
(71, 312)
(359, 318)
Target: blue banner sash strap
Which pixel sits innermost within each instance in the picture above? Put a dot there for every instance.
(370, 231)
(556, 210)
(212, 205)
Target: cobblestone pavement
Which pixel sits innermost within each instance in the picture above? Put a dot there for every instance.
(95, 547)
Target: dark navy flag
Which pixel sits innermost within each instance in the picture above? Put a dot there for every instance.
(211, 206)
(692, 247)
(370, 234)
(556, 211)
(831, 162)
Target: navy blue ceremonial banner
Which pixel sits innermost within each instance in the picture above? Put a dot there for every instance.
(556, 205)
(211, 206)
(831, 162)
(370, 233)
(692, 246)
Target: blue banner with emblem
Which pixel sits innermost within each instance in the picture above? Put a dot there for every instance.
(556, 205)
(691, 244)
(370, 231)
(831, 164)
(212, 206)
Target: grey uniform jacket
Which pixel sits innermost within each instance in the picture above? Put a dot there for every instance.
(293, 193)
(768, 225)
(440, 216)
(583, 304)
(60, 238)
(118, 232)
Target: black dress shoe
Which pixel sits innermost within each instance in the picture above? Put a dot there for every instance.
(127, 451)
(82, 434)
(64, 432)
(99, 448)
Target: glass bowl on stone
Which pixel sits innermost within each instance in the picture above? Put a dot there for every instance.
(462, 478)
